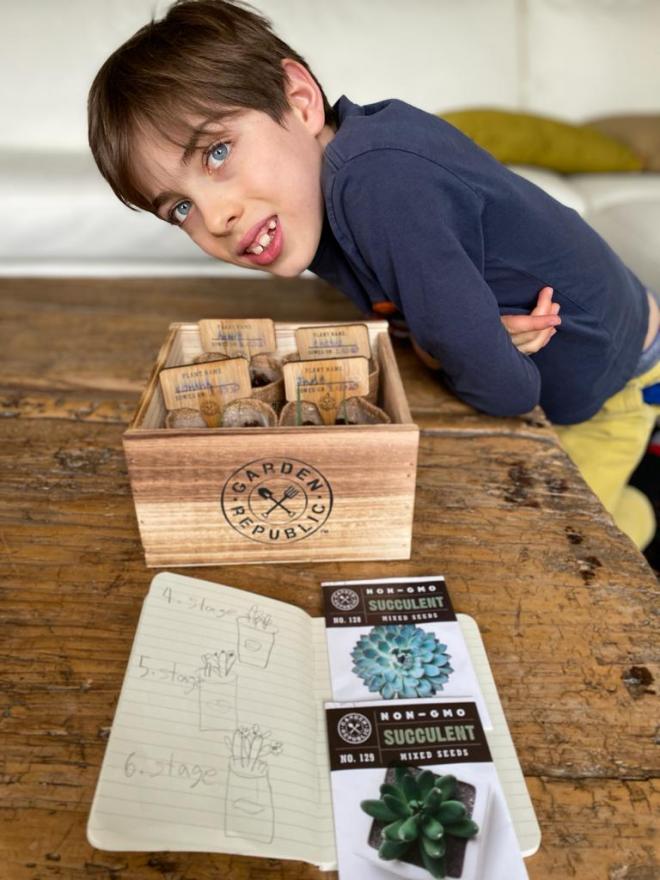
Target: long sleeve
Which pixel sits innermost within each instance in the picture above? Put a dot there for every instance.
(416, 229)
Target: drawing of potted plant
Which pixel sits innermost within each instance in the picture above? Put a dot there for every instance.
(249, 796)
(218, 686)
(256, 636)
(422, 824)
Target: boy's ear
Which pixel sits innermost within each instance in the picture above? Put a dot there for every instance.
(304, 95)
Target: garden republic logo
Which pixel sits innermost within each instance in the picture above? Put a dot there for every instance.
(276, 500)
(354, 728)
(345, 599)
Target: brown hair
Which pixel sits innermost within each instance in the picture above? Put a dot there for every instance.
(206, 58)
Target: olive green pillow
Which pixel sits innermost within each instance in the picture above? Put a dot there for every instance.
(527, 139)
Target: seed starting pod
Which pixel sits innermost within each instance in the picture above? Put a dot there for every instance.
(185, 418)
(301, 412)
(248, 413)
(267, 380)
(359, 411)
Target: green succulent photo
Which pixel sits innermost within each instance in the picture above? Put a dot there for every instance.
(419, 817)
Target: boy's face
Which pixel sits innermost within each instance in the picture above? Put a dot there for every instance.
(251, 195)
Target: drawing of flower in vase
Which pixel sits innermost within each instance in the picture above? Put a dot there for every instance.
(249, 797)
(256, 637)
(218, 692)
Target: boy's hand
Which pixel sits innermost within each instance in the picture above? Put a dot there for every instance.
(529, 333)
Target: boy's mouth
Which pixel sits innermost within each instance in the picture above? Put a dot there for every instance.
(263, 243)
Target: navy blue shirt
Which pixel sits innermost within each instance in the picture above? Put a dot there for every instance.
(418, 214)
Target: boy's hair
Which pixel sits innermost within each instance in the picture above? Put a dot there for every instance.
(205, 58)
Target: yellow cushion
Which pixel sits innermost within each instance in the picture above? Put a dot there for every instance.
(527, 139)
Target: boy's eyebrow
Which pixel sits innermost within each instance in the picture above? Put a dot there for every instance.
(202, 129)
(161, 199)
(191, 145)
(188, 151)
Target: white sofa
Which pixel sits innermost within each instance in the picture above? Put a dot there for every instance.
(572, 59)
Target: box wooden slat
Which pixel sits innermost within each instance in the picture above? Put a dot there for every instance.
(239, 495)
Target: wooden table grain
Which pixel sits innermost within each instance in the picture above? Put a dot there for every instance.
(566, 605)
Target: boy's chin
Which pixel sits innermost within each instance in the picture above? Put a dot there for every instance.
(284, 272)
(287, 269)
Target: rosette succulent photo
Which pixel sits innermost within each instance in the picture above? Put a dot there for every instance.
(401, 662)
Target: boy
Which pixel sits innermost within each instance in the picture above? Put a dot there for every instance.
(212, 123)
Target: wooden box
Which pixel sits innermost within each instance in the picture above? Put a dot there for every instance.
(202, 496)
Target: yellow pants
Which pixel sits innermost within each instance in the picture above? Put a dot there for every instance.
(608, 447)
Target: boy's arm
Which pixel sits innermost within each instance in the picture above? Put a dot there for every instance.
(529, 333)
(418, 229)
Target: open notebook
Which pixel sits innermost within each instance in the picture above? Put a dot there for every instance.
(218, 742)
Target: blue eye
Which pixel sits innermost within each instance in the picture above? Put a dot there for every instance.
(217, 155)
(180, 211)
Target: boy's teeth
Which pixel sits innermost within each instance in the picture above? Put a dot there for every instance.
(263, 241)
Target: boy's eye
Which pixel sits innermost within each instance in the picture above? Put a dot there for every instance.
(217, 155)
(180, 211)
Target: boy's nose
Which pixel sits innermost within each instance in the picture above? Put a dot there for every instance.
(220, 216)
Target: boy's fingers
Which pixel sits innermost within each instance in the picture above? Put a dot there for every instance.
(519, 339)
(543, 301)
(538, 343)
(526, 323)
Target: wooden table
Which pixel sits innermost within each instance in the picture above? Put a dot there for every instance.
(564, 601)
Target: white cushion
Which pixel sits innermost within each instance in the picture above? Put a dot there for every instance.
(587, 58)
(59, 213)
(556, 185)
(606, 190)
(633, 232)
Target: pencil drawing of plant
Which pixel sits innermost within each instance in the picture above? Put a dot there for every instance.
(249, 809)
(218, 691)
(256, 637)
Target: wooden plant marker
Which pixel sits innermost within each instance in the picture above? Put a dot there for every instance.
(206, 387)
(238, 337)
(345, 340)
(327, 383)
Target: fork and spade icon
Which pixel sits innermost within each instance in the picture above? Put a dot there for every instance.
(289, 492)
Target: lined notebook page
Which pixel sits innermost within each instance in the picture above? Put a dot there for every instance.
(323, 693)
(501, 745)
(215, 742)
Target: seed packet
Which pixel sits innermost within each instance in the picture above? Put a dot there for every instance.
(397, 639)
(416, 794)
